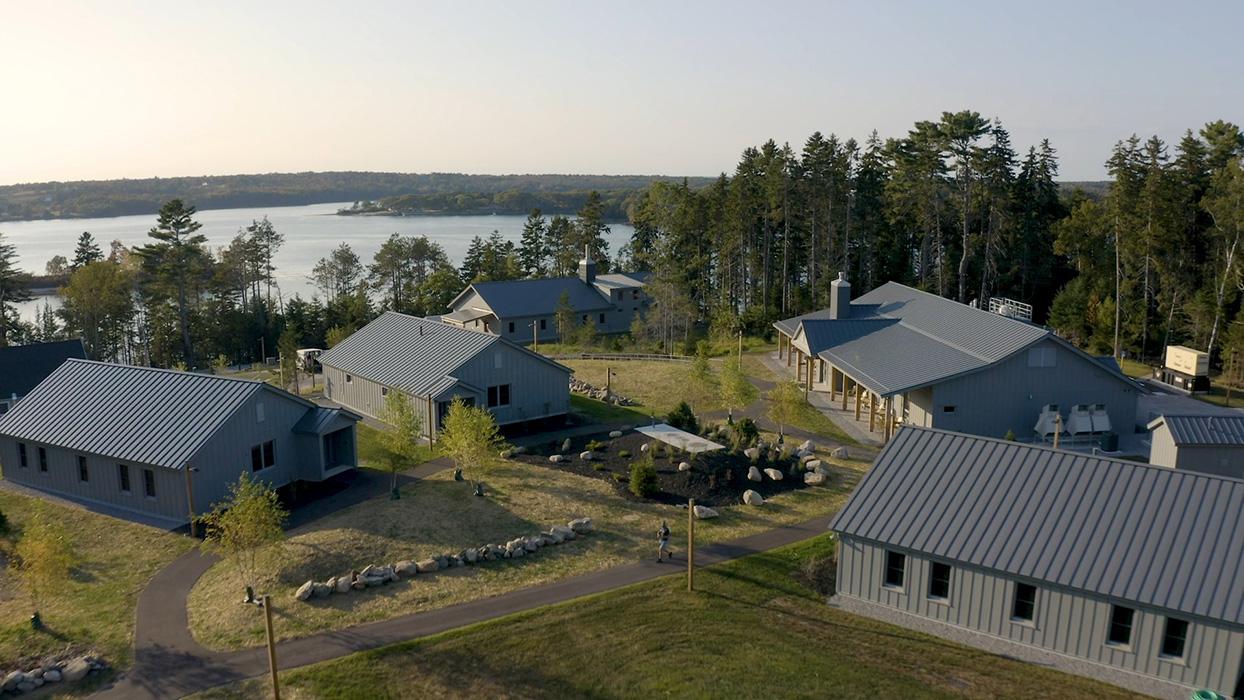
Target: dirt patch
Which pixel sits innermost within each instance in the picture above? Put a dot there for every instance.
(716, 478)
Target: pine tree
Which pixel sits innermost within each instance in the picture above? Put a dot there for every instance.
(13, 290)
(533, 251)
(174, 261)
(86, 252)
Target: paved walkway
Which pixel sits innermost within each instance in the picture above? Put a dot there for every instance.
(169, 663)
(858, 430)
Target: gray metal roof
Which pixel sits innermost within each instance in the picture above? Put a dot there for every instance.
(897, 338)
(1216, 430)
(538, 297)
(622, 280)
(131, 414)
(22, 367)
(1159, 537)
(321, 419)
(412, 354)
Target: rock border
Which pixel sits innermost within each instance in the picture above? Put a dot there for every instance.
(372, 575)
(70, 668)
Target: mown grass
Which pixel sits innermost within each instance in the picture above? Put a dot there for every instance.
(601, 412)
(94, 608)
(658, 386)
(752, 629)
(371, 453)
(440, 515)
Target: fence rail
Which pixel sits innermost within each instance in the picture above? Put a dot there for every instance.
(622, 357)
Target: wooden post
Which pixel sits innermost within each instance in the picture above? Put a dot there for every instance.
(267, 619)
(789, 352)
(857, 401)
(194, 527)
(691, 545)
(889, 426)
(1058, 428)
(535, 339)
(808, 383)
(429, 426)
(872, 411)
(833, 379)
(845, 391)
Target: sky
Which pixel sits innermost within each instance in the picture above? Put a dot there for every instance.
(100, 90)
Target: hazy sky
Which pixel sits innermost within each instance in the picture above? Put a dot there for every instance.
(137, 89)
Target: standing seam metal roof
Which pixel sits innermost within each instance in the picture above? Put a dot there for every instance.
(1206, 430)
(1159, 537)
(131, 414)
(539, 297)
(22, 367)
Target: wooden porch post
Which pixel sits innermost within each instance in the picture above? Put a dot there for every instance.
(872, 411)
(833, 377)
(845, 390)
(889, 424)
(781, 338)
(807, 386)
(857, 401)
(789, 352)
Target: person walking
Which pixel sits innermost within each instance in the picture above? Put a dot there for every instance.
(663, 542)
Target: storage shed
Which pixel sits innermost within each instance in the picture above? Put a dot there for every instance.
(1211, 444)
(123, 438)
(1116, 570)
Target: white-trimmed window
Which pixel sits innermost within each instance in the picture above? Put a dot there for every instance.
(498, 395)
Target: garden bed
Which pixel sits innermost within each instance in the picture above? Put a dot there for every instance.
(716, 478)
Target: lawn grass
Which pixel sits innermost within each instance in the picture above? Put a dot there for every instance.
(95, 607)
(371, 453)
(752, 629)
(657, 386)
(601, 412)
(438, 515)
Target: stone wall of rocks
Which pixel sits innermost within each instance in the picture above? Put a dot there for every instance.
(69, 668)
(579, 386)
(375, 575)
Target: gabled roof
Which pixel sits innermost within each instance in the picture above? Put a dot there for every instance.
(538, 297)
(1163, 538)
(412, 354)
(131, 414)
(22, 367)
(898, 339)
(1203, 430)
(321, 419)
(622, 280)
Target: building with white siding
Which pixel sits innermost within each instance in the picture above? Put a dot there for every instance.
(434, 363)
(123, 438)
(1112, 569)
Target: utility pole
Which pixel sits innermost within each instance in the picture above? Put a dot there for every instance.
(1058, 428)
(1230, 376)
(691, 545)
(267, 616)
(740, 347)
(535, 339)
(194, 527)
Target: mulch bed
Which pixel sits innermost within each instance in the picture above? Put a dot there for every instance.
(716, 478)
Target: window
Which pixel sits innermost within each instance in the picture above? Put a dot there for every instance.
(259, 416)
(543, 324)
(895, 566)
(83, 474)
(262, 456)
(511, 326)
(43, 459)
(1174, 638)
(584, 318)
(256, 458)
(149, 483)
(1120, 625)
(1025, 604)
(499, 395)
(1042, 357)
(602, 318)
(123, 477)
(634, 293)
(384, 391)
(349, 379)
(948, 409)
(939, 580)
(21, 454)
(269, 454)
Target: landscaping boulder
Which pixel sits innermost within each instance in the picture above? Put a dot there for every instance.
(814, 478)
(704, 512)
(75, 670)
(442, 562)
(615, 433)
(406, 567)
(839, 453)
(372, 571)
(586, 455)
(507, 453)
(52, 675)
(359, 583)
(644, 447)
(555, 536)
(684, 466)
(426, 566)
(807, 446)
(566, 445)
(304, 591)
(517, 552)
(773, 474)
(471, 556)
(753, 474)
(562, 531)
(752, 453)
(823, 469)
(752, 498)
(320, 590)
(812, 464)
(520, 450)
(530, 545)
(580, 525)
(26, 686)
(10, 681)
(555, 459)
(343, 584)
(805, 456)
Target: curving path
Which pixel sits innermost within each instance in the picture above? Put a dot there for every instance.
(169, 663)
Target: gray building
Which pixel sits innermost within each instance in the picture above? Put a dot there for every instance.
(1211, 444)
(902, 356)
(524, 311)
(433, 363)
(121, 437)
(22, 367)
(1118, 570)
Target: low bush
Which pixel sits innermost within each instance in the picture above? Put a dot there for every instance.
(599, 467)
(683, 418)
(624, 453)
(643, 479)
(596, 445)
(619, 477)
(745, 433)
(820, 574)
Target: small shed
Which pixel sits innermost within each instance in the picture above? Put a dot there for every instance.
(1210, 444)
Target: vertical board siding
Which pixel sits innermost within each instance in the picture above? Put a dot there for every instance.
(537, 388)
(1009, 395)
(1065, 622)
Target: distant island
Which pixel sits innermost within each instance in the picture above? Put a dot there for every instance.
(401, 193)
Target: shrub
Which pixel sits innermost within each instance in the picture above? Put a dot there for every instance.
(683, 418)
(643, 479)
(599, 467)
(1010, 436)
(596, 445)
(745, 434)
(820, 574)
(619, 477)
(4, 523)
(624, 453)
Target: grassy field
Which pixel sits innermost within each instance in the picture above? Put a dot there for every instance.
(752, 629)
(601, 412)
(440, 515)
(95, 608)
(658, 386)
(809, 418)
(370, 450)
